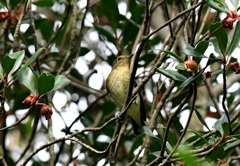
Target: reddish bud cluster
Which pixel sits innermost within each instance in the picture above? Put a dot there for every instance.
(3, 16)
(13, 17)
(235, 67)
(228, 21)
(190, 66)
(47, 111)
(30, 100)
(208, 74)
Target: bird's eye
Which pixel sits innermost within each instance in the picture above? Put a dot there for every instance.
(119, 58)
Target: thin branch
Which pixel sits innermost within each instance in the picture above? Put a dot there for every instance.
(15, 36)
(188, 121)
(173, 19)
(17, 122)
(213, 96)
(90, 148)
(73, 35)
(137, 155)
(80, 40)
(69, 6)
(78, 132)
(168, 17)
(224, 98)
(2, 161)
(33, 134)
(171, 119)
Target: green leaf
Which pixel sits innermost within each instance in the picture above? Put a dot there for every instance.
(188, 158)
(173, 54)
(212, 59)
(26, 78)
(217, 72)
(180, 67)
(190, 51)
(235, 40)
(222, 125)
(32, 59)
(110, 10)
(215, 44)
(216, 153)
(218, 5)
(231, 145)
(13, 62)
(172, 74)
(1, 70)
(60, 82)
(201, 48)
(45, 83)
(198, 135)
(46, 28)
(148, 132)
(200, 118)
(192, 78)
(221, 36)
(43, 3)
(235, 3)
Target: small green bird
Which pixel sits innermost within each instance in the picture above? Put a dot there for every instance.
(118, 85)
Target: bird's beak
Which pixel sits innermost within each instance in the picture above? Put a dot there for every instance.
(130, 56)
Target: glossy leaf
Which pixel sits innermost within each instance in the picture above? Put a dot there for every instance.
(232, 145)
(60, 82)
(222, 125)
(218, 5)
(13, 62)
(45, 83)
(221, 36)
(148, 132)
(32, 58)
(192, 78)
(235, 40)
(180, 66)
(200, 118)
(201, 48)
(25, 77)
(173, 54)
(46, 28)
(110, 10)
(43, 3)
(172, 74)
(190, 51)
(1, 70)
(216, 45)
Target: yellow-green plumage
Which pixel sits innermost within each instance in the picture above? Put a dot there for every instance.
(118, 85)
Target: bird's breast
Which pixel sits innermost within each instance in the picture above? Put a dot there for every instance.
(118, 84)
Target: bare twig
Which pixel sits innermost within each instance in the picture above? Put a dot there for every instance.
(15, 36)
(16, 123)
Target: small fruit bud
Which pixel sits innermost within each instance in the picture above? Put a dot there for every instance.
(235, 67)
(228, 23)
(46, 111)
(208, 74)
(30, 100)
(190, 66)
